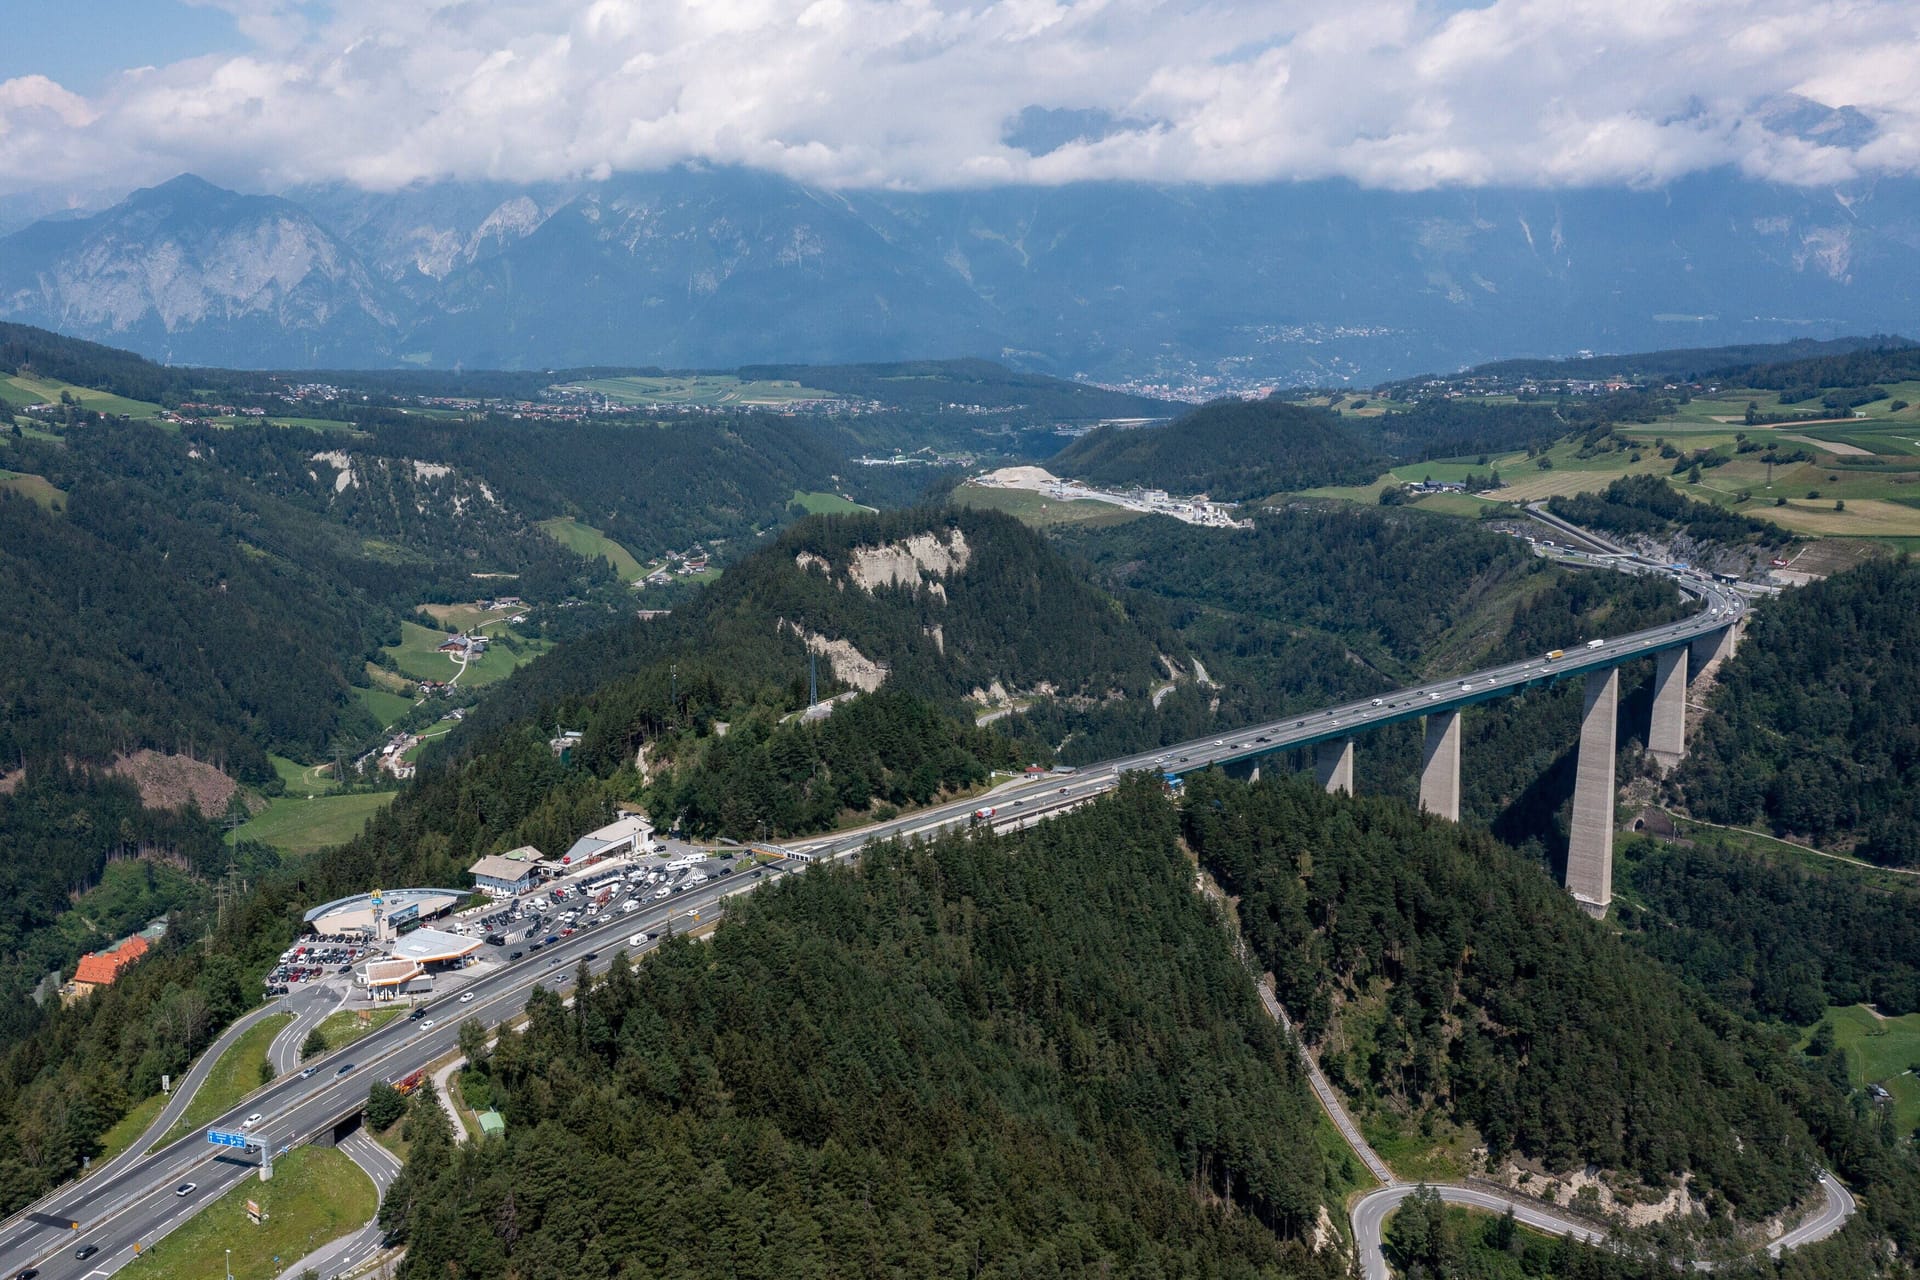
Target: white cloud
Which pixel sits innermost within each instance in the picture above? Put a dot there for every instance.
(921, 93)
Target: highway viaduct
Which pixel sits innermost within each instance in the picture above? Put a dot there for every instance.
(1678, 650)
(134, 1200)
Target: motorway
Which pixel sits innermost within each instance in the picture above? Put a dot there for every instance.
(1014, 804)
(136, 1201)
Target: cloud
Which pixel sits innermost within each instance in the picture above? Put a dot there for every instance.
(940, 93)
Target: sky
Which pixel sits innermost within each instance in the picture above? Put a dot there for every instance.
(926, 94)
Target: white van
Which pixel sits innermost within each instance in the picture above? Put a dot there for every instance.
(631, 904)
(636, 939)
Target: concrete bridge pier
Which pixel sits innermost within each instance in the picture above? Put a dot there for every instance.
(1590, 844)
(1333, 765)
(1440, 766)
(1667, 734)
(1714, 646)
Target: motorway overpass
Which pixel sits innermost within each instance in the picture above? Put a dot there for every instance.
(135, 1202)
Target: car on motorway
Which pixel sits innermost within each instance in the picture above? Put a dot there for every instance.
(308, 1074)
(1376, 702)
(515, 955)
(466, 997)
(184, 1189)
(416, 1015)
(591, 955)
(26, 1273)
(81, 1254)
(552, 938)
(251, 1121)
(557, 960)
(427, 1025)
(636, 939)
(344, 1068)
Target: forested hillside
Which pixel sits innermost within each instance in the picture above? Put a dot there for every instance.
(208, 593)
(1646, 505)
(987, 601)
(1438, 970)
(1812, 726)
(1770, 939)
(1030, 1055)
(926, 608)
(653, 486)
(1320, 603)
(1885, 360)
(1230, 450)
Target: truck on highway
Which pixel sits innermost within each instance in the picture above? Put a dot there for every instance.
(1556, 653)
(984, 815)
(1595, 644)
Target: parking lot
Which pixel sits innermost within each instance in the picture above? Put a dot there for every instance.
(313, 959)
(514, 929)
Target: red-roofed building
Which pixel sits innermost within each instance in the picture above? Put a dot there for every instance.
(100, 968)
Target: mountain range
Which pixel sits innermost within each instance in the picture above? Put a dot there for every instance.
(1192, 287)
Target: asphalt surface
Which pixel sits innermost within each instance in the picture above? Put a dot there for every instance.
(349, 1251)
(1370, 1213)
(135, 1202)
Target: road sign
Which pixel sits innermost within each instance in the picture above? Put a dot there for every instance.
(254, 1215)
(219, 1139)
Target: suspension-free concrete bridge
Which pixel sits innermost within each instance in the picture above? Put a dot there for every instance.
(135, 1201)
(1676, 649)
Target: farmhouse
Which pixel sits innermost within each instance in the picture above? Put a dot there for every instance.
(100, 968)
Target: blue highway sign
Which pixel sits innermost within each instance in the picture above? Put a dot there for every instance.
(220, 1139)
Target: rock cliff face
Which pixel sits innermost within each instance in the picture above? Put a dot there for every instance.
(195, 274)
(702, 267)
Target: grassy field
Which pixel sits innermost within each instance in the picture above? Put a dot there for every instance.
(1039, 510)
(1882, 1051)
(23, 389)
(465, 617)
(385, 705)
(700, 389)
(416, 656)
(305, 780)
(346, 1027)
(1872, 464)
(37, 488)
(831, 504)
(317, 1194)
(589, 541)
(129, 1127)
(295, 824)
(1441, 1158)
(233, 1077)
(1455, 504)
